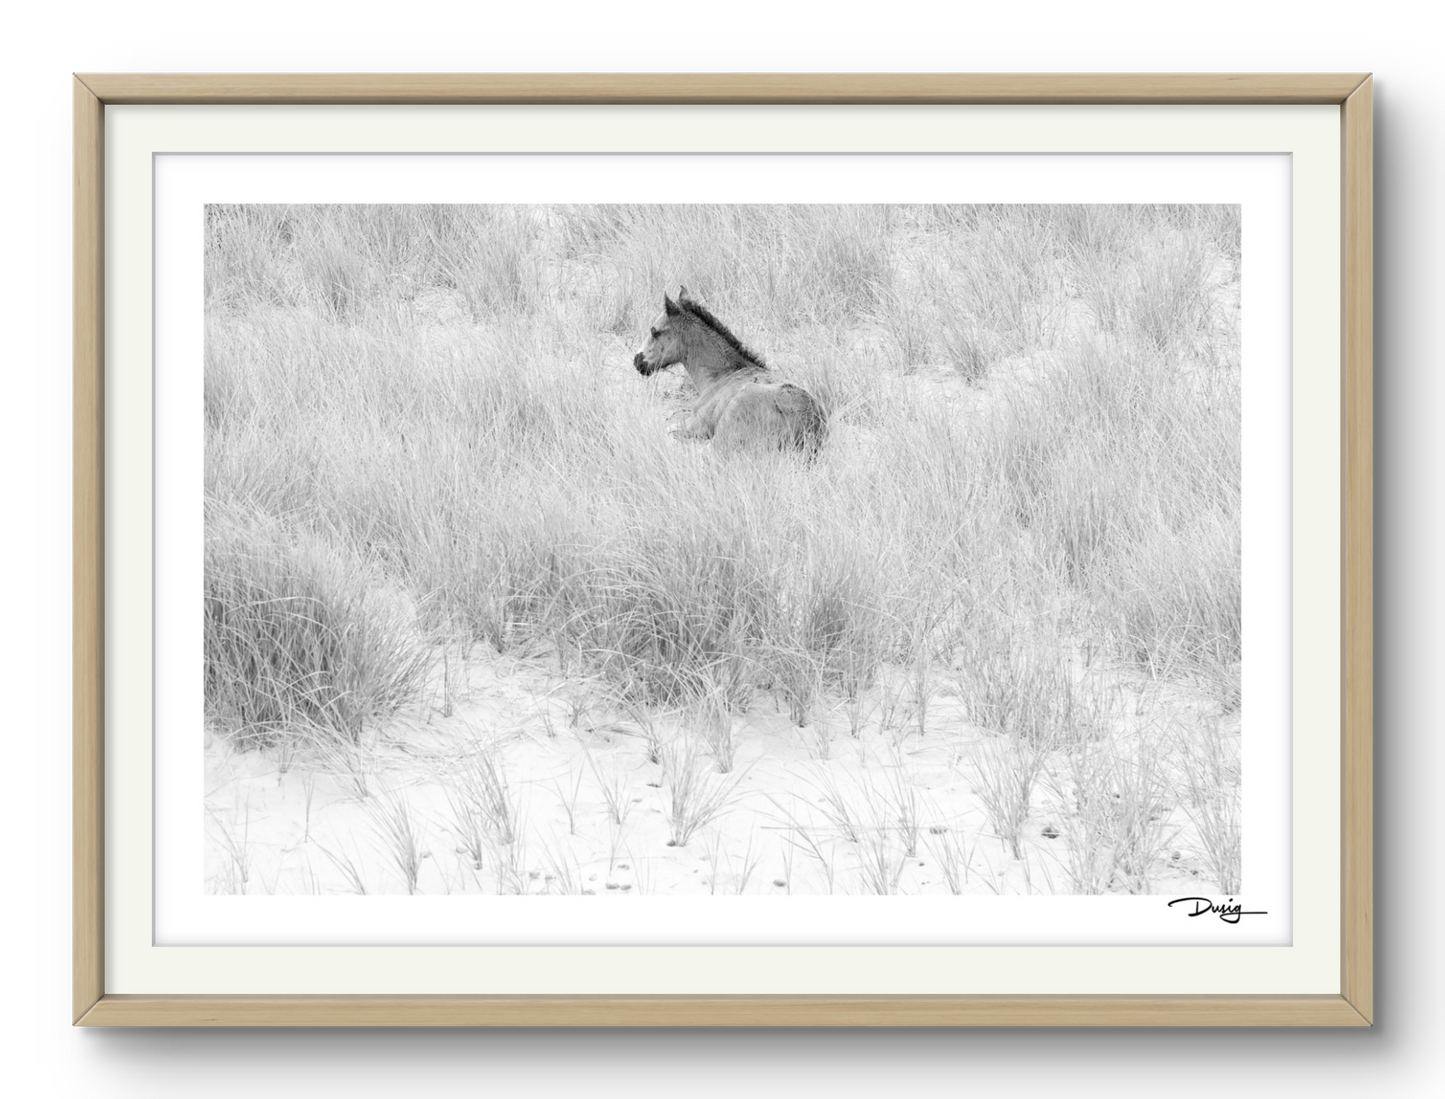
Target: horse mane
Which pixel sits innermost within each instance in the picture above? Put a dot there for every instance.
(701, 313)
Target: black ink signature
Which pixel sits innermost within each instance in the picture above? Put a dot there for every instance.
(1229, 913)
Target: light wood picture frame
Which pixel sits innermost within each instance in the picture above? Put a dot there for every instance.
(93, 1005)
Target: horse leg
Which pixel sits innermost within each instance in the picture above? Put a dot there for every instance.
(694, 427)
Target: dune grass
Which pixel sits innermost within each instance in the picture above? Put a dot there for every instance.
(422, 431)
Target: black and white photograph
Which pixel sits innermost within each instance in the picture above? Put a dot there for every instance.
(722, 550)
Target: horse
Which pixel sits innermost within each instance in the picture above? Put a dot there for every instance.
(740, 401)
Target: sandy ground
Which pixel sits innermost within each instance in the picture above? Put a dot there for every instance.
(804, 809)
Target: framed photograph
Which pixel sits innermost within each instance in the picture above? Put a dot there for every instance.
(722, 550)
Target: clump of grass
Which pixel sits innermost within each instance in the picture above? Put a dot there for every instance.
(881, 861)
(893, 709)
(837, 807)
(909, 320)
(616, 791)
(296, 634)
(856, 713)
(796, 673)
(1115, 811)
(949, 852)
(1016, 682)
(826, 628)
(472, 831)
(1006, 770)
(485, 805)
(1179, 610)
(1086, 816)
(352, 762)
(392, 817)
(491, 259)
(845, 256)
(1210, 761)
(999, 291)
(929, 642)
(663, 607)
(965, 338)
(642, 717)
(485, 814)
(236, 847)
(1142, 828)
(846, 383)
(1170, 299)
(970, 348)
(901, 799)
(337, 275)
(1088, 229)
(285, 756)
(713, 719)
(693, 798)
(1148, 274)
(245, 250)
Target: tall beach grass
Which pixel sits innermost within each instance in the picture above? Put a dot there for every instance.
(422, 423)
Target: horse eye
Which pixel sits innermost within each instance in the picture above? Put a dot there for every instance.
(655, 333)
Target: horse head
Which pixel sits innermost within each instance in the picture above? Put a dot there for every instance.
(664, 346)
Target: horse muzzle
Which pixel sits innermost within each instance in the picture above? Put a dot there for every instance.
(644, 367)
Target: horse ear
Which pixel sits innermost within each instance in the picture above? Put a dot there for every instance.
(683, 294)
(669, 306)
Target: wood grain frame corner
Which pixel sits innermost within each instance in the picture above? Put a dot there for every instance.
(1353, 1006)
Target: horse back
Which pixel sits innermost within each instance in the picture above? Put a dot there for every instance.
(770, 413)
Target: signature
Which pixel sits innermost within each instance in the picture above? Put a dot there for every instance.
(1229, 912)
